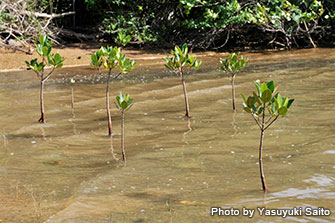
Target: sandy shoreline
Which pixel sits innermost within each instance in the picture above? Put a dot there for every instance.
(11, 60)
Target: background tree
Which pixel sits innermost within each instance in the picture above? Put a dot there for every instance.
(43, 48)
(233, 64)
(110, 58)
(122, 39)
(265, 99)
(177, 63)
(204, 24)
(123, 103)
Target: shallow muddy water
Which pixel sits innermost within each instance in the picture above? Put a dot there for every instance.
(68, 170)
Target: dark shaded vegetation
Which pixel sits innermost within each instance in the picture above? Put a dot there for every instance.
(203, 24)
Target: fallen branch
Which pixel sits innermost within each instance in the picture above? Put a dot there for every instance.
(45, 15)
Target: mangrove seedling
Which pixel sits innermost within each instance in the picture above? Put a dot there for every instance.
(110, 58)
(43, 48)
(179, 60)
(123, 103)
(233, 64)
(265, 99)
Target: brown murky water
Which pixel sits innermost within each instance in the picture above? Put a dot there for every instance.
(68, 170)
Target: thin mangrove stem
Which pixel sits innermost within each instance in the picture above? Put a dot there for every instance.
(42, 119)
(233, 91)
(187, 114)
(265, 188)
(110, 133)
(256, 121)
(122, 137)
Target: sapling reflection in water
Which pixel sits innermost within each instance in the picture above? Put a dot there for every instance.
(72, 81)
(265, 100)
(123, 103)
(233, 64)
(111, 58)
(43, 48)
(180, 61)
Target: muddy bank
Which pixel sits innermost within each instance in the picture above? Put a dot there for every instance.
(77, 55)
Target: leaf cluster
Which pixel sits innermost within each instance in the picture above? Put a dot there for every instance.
(266, 97)
(122, 39)
(233, 63)
(180, 58)
(123, 102)
(111, 57)
(43, 48)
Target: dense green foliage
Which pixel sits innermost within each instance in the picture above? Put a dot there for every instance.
(123, 102)
(266, 98)
(43, 48)
(203, 24)
(215, 24)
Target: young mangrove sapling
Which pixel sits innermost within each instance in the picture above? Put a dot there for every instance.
(233, 64)
(265, 99)
(180, 59)
(110, 58)
(43, 48)
(123, 103)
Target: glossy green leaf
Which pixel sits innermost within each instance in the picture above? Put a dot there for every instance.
(258, 86)
(263, 87)
(271, 86)
(256, 97)
(279, 101)
(266, 96)
(282, 111)
(251, 101)
(290, 102)
(244, 99)
(260, 110)
(247, 109)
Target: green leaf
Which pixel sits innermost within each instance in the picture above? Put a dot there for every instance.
(264, 87)
(46, 51)
(260, 110)
(247, 109)
(279, 101)
(256, 97)
(251, 101)
(271, 86)
(266, 96)
(124, 105)
(167, 67)
(290, 102)
(282, 111)
(244, 99)
(258, 86)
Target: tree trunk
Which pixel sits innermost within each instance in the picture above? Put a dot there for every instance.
(265, 188)
(122, 138)
(107, 106)
(309, 35)
(233, 91)
(42, 119)
(186, 97)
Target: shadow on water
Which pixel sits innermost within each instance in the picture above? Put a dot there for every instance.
(177, 168)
